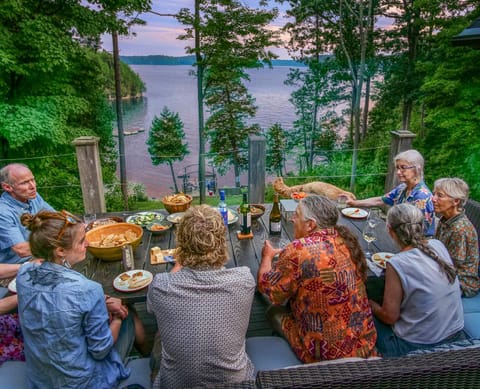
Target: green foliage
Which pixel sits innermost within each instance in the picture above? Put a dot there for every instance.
(165, 140)
(230, 38)
(276, 147)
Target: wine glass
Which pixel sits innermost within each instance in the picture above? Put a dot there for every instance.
(373, 218)
(369, 236)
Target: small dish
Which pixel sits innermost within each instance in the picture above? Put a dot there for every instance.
(12, 286)
(381, 259)
(144, 218)
(159, 227)
(257, 210)
(355, 213)
(175, 217)
(132, 280)
(297, 196)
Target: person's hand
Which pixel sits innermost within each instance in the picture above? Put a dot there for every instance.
(268, 252)
(115, 307)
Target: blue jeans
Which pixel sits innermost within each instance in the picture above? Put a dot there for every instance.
(126, 337)
(391, 346)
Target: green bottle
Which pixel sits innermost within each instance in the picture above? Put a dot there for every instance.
(245, 215)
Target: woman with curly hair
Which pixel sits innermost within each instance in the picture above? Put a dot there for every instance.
(317, 286)
(202, 308)
(421, 303)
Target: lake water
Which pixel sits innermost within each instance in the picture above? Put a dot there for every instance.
(175, 88)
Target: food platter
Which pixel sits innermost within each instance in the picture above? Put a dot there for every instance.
(12, 286)
(381, 259)
(175, 217)
(144, 218)
(355, 213)
(132, 280)
(159, 227)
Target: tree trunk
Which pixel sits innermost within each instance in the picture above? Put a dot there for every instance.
(201, 135)
(366, 107)
(173, 176)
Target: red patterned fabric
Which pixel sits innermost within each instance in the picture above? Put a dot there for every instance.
(331, 316)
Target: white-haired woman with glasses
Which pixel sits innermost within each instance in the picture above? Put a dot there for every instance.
(421, 304)
(68, 338)
(457, 232)
(412, 189)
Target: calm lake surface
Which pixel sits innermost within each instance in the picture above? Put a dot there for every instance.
(175, 88)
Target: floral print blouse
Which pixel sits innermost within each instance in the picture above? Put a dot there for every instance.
(460, 237)
(331, 316)
(420, 196)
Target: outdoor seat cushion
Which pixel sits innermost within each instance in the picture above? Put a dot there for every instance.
(471, 316)
(459, 345)
(140, 374)
(270, 353)
(13, 374)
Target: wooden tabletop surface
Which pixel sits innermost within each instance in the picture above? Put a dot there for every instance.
(240, 252)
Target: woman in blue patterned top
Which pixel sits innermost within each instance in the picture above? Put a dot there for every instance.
(456, 232)
(68, 338)
(409, 167)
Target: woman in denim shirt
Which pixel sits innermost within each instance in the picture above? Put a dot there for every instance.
(69, 340)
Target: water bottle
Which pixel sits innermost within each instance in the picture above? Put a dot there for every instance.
(222, 207)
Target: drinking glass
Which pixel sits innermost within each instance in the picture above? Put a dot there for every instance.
(369, 236)
(89, 217)
(342, 201)
(373, 218)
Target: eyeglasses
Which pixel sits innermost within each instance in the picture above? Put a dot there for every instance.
(404, 167)
(69, 220)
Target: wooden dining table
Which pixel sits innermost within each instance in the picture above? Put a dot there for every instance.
(245, 252)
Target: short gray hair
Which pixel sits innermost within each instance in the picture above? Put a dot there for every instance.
(454, 187)
(319, 209)
(414, 158)
(5, 172)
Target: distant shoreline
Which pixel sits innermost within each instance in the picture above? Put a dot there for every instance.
(186, 60)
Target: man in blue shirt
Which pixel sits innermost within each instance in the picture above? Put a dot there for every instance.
(19, 196)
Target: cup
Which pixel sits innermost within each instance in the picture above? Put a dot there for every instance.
(342, 201)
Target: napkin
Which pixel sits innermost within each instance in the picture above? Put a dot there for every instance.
(377, 270)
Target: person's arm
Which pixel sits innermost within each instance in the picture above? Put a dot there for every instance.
(115, 307)
(389, 311)
(370, 202)
(8, 304)
(8, 270)
(115, 325)
(22, 249)
(268, 253)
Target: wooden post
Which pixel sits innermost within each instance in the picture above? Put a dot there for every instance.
(256, 171)
(90, 170)
(401, 141)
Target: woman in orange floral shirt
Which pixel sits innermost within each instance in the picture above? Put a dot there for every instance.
(318, 287)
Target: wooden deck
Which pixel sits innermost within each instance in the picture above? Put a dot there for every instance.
(241, 253)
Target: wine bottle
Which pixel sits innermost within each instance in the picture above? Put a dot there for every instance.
(275, 218)
(222, 207)
(246, 215)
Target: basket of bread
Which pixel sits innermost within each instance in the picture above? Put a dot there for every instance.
(106, 242)
(179, 202)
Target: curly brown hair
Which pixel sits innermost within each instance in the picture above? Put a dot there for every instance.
(46, 228)
(201, 240)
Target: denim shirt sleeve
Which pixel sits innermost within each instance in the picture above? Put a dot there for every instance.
(97, 330)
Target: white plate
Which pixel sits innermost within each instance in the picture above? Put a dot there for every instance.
(355, 213)
(124, 285)
(12, 286)
(144, 218)
(381, 259)
(175, 217)
(232, 216)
